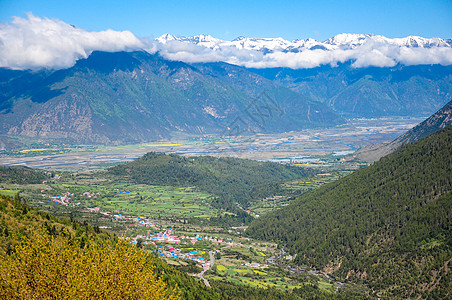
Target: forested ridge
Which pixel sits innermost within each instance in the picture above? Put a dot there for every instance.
(22, 175)
(388, 225)
(230, 179)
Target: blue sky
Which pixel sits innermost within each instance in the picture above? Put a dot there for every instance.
(229, 19)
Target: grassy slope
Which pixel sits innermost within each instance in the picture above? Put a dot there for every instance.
(387, 225)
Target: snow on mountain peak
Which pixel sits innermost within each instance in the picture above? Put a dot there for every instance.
(364, 49)
(165, 37)
(340, 41)
(239, 38)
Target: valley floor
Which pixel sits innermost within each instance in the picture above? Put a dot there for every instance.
(306, 144)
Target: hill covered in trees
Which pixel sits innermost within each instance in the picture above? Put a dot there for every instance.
(230, 179)
(21, 175)
(44, 257)
(388, 225)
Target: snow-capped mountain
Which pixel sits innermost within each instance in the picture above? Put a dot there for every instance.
(341, 41)
(207, 41)
(363, 50)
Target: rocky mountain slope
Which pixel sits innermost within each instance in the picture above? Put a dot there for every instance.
(439, 120)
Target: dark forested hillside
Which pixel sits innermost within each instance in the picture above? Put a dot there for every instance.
(22, 175)
(230, 179)
(388, 224)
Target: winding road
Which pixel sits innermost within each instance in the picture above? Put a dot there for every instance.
(201, 275)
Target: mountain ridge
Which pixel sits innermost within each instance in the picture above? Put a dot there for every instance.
(439, 120)
(370, 92)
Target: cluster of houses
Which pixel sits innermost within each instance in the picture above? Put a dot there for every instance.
(139, 221)
(91, 195)
(69, 199)
(66, 199)
(255, 265)
(168, 236)
(168, 251)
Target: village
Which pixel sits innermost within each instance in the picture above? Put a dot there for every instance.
(159, 239)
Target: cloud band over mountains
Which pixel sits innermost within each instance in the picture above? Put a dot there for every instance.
(34, 43)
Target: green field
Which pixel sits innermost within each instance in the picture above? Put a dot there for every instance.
(265, 278)
(135, 200)
(10, 193)
(293, 189)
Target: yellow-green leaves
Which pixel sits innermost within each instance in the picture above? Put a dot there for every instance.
(57, 268)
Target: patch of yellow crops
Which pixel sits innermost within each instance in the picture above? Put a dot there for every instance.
(32, 150)
(221, 268)
(241, 271)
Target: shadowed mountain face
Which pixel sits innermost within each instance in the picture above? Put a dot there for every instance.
(135, 97)
(371, 92)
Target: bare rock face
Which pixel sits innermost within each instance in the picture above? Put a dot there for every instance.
(437, 121)
(58, 119)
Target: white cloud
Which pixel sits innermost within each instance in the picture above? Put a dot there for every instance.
(416, 56)
(35, 42)
(190, 53)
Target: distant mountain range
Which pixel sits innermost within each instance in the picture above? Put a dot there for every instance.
(373, 91)
(340, 41)
(130, 97)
